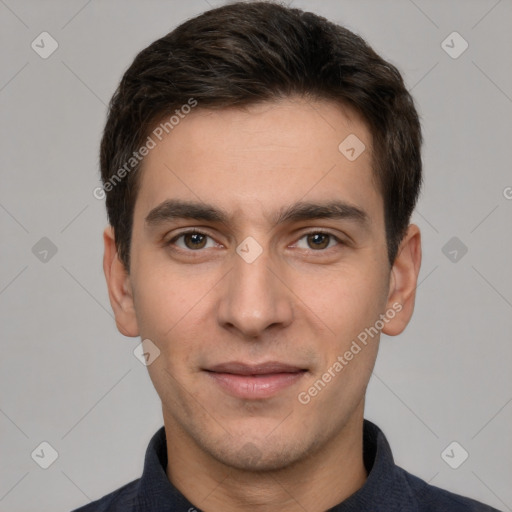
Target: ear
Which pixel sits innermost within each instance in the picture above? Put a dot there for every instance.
(119, 287)
(403, 281)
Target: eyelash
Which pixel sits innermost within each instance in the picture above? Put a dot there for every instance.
(196, 232)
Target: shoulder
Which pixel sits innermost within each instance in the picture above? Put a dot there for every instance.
(121, 500)
(432, 499)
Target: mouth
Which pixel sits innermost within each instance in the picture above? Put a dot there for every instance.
(255, 382)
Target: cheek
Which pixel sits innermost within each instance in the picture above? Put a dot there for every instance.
(159, 307)
(347, 301)
(347, 350)
(172, 310)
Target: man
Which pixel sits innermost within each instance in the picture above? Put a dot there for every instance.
(261, 165)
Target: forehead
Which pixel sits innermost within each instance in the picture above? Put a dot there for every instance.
(254, 161)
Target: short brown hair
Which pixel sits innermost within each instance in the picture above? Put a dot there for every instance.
(246, 53)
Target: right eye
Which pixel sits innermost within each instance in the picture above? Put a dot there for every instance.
(193, 240)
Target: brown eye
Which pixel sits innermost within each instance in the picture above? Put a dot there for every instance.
(194, 240)
(191, 241)
(318, 240)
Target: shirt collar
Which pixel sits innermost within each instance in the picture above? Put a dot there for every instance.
(383, 485)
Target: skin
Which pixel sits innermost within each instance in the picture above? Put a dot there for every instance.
(296, 303)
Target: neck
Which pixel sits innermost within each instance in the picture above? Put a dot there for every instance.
(322, 480)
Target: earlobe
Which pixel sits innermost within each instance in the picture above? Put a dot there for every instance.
(119, 287)
(403, 281)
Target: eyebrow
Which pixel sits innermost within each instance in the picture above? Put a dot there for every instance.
(175, 209)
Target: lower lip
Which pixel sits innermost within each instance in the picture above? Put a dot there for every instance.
(255, 386)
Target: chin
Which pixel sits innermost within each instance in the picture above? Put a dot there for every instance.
(250, 458)
(260, 455)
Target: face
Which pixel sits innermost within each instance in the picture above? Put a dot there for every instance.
(258, 259)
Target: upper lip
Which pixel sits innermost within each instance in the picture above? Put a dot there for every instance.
(239, 368)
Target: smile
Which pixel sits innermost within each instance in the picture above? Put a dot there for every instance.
(253, 382)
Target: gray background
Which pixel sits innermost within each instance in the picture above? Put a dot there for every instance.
(69, 378)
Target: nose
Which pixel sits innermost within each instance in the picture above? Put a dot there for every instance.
(256, 297)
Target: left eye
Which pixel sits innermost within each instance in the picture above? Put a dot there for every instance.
(319, 240)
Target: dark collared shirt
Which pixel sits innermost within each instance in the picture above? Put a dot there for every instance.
(388, 487)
